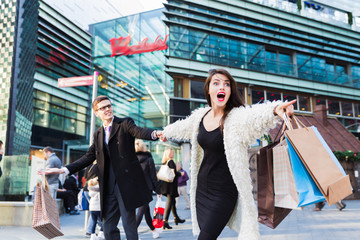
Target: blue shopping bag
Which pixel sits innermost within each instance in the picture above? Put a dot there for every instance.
(307, 189)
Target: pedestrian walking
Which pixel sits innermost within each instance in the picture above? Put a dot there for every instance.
(182, 186)
(52, 161)
(147, 164)
(122, 183)
(220, 136)
(170, 190)
(94, 207)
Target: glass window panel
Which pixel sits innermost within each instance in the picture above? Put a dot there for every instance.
(197, 89)
(357, 109)
(257, 96)
(346, 109)
(41, 118)
(81, 109)
(273, 96)
(56, 109)
(43, 96)
(42, 105)
(334, 107)
(320, 101)
(81, 117)
(270, 55)
(69, 125)
(56, 122)
(80, 128)
(57, 101)
(70, 114)
(195, 105)
(285, 57)
(305, 103)
(70, 105)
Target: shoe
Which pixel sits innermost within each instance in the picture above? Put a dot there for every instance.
(178, 220)
(87, 234)
(74, 212)
(342, 207)
(317, 209)
(94, 237)
(155, 234)
(101, 235)
(166, 225)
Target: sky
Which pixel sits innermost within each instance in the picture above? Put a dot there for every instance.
(85, 12)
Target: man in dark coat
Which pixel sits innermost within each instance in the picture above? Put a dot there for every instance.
(122, 183)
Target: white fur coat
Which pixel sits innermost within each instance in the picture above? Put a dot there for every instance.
(242, 127)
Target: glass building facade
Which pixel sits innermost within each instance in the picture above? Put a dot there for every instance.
(137, 84)
(63, 50)
(274, 51)
(38, 46)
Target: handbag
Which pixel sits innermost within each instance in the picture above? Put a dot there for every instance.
(165, 173)
(159, 213)
(286, 195)
(268, 214)
(320, 163)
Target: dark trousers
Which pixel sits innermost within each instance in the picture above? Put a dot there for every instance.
(144, 210)
(70, 200)
(170, 205)
(114, 208)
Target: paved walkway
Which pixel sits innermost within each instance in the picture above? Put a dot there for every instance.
(329, 224)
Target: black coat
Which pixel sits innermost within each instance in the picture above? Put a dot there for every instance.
(127, 170)
(171, 188)
(148, 166)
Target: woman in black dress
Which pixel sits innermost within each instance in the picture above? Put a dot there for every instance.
(216, 194)
(170, 190)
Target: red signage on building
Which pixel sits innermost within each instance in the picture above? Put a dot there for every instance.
(75, 81)
(120, 46)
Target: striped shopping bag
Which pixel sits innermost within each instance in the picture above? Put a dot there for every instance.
(286, 195)
(45, 218)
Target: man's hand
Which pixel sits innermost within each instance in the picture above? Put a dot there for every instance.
(286, 107)
(51, 171)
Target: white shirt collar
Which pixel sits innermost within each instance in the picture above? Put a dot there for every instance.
(110, 125)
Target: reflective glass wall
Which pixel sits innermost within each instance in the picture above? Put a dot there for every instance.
(137, 84)
(206, 34)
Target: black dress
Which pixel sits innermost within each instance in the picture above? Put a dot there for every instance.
(216, 193)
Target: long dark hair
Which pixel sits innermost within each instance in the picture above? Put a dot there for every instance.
(235, 99)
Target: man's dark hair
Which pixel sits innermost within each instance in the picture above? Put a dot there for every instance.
(1, 142)
(99, 99)
(48, 149)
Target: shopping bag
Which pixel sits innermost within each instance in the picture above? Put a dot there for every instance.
(159, 213)
(286, 195)
(307, 189)
(45, 218)
(82, 200)
(319, 162)
(268, 213)
(165, 173)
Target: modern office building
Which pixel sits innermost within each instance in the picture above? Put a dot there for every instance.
(281, 49)
(132, 68)
(38, 46)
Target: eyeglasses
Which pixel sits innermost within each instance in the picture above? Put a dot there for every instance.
(104, 108)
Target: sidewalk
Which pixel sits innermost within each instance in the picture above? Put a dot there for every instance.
(328, 224)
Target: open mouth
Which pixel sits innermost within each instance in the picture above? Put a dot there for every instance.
(221, 96)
